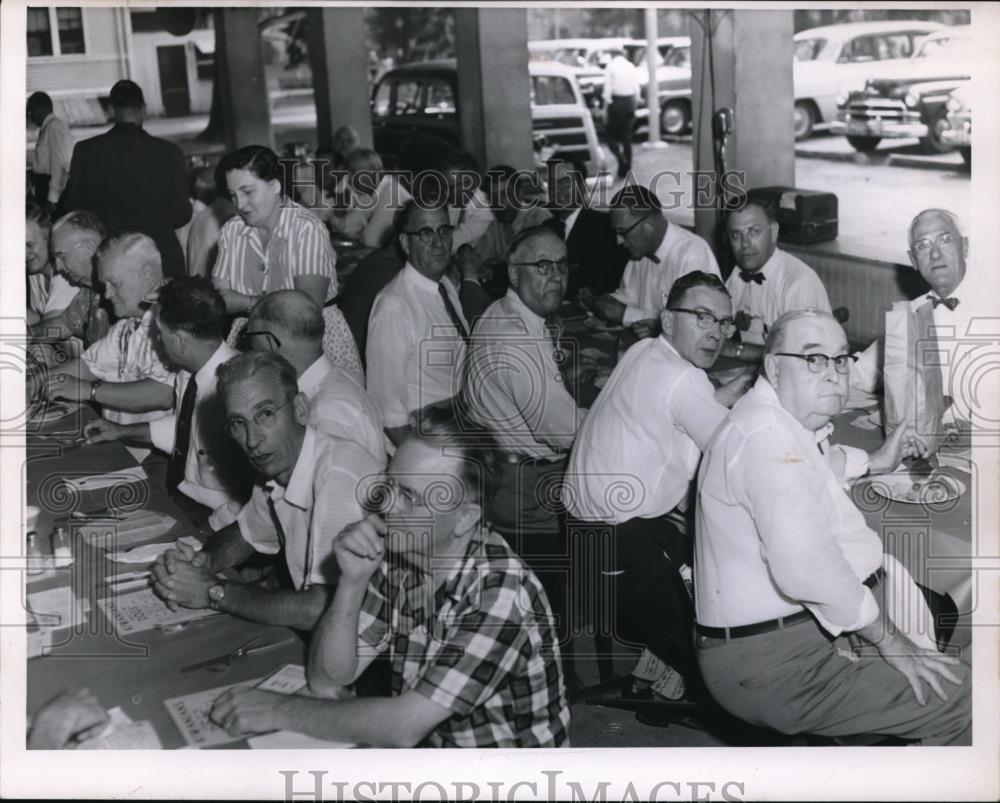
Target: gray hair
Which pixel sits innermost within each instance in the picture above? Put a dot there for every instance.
(950, 216)
(777, 334)
(248, 364)
(139, 247)
(523, 238)
(84, 222)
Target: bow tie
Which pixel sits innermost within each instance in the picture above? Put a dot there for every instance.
(951, 302)
(747, 276)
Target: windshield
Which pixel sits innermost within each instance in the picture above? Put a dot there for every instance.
(943, 48)
(808, 49)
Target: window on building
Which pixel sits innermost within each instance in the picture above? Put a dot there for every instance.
(204, 63)
(39, 32)
(70, 22)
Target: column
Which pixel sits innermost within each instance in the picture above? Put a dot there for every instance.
(246, 113)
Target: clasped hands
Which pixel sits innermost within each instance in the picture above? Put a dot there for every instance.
(182, 577)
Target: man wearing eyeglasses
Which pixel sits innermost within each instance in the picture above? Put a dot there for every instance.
(632, 466)
(417, 331)
(660, 252)
(766, 282)
(791, 582)
(306, 493)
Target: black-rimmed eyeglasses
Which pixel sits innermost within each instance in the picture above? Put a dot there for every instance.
(706, 320)
(427, 234)
(546, 266)
(243, 340)
(818, 362)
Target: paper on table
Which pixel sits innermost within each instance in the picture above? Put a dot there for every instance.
(97, 481)
(150, 552)
(133, 528)
(38, 641)
(57, 608)
(190, 714)
(138, 611)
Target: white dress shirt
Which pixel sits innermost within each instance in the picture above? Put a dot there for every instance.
(320, 500)
(621, 78)
(789, 284)
(646, 283)
(340, 407)
(414, 354)
(206, 480)
(638, 449)
(513, 385)
(53, 152)
(48, 296)
(470, 222)
(127, 354)
(776, 530)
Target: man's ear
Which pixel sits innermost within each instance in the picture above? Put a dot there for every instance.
(775, 228)
(301, 406)
(771, 369)
(405, 245)
(513, 276)
(470, 517)
(965, 247)
(913, 259)
(667, 322)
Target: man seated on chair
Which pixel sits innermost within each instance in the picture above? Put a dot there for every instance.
(466, 625)
(305, 494)
(791, 583)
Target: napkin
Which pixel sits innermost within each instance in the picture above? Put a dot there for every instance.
(147, 553)
(109, 480)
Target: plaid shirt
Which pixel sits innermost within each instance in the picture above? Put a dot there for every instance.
(483, 645)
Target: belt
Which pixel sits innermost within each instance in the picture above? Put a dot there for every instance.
(756, 629)
(524, 460)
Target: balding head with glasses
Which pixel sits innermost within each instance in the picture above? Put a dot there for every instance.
(538, 269)
(425, 233)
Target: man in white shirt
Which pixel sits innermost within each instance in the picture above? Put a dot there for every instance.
(621, 92)
(48, 292)
(53, 150)
(765, 282)
(203, 464)
(122, 371)
(468, 207)
(307, 492)
(635, 458)
(289, 323)
(416, 332)
(786, 566)
(661, 252)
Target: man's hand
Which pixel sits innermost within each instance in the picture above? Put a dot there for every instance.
(360, 548)
(69, 716)
(101, 431)
(68, 388)
(611, 309)
(646, 328)
(185, 585)
(730, 392)
(585, 298)
(917, 665)
(237, 302)
(246, 710)
(902, 442)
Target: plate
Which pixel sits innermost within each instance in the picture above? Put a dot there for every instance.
(933, 489)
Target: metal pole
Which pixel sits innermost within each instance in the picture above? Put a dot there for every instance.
(652, 90)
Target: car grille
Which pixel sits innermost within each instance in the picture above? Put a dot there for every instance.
(882, 109)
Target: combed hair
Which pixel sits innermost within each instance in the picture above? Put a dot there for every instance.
(248, 364)
(192, 304)
(363, 159)
(292, 310)
(776, 335)
(951, 216)
(84, 222)
(764, 206)
(695, 278)
(401, 220)
(40, 101)
(35, 213)
(258, 159)
(444, 427)
(524, 236)
(204, 186)
(133, 245)
(637, 198)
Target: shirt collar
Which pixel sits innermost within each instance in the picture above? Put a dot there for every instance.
(956, 293)
(48, 119)
(416, 277)
(770, 267)
(570, 219)
(206, 373)
(665, 243)
(299, 491)
(311, 378)
(533, 320)
(764, 392)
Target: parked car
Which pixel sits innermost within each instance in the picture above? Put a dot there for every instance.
(959, 130)
(673, 79)
(839, 58)
(908, 100)
(415, 114)
(586, 57)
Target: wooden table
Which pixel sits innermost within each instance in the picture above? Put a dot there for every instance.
(139, 671)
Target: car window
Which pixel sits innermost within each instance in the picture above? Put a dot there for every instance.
(380, 108)
(550, 90)
(944, 48)
(440, 98)
(894, 46)
(407, 98)
(808, 49)
(861, 48)
(678, 57)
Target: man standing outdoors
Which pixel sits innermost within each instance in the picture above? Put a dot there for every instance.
(789, 576)
(307, 492)
(661, 252)
(53, 151)
(621, 91)
(132, 180)
(417, 332)
(466, 624)
(766, 282)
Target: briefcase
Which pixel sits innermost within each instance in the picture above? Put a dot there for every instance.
(804, 216)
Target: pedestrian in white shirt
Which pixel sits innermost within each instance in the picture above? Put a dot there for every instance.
(417, 332)
(789, 577)
(289, 323)
(621, 93)
(203, 464)
(766, 282)
(660, 253)
(306, 493)
(122, 371)
(635, 458)
(53, 150)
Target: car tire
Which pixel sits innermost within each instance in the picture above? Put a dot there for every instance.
(803, 120)
(675, 118)
(933, 143)
(966, 155)
(863, 144)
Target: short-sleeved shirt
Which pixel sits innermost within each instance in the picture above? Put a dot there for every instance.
(483, 646)
(319, 501)
(127, 354)
(50, 295)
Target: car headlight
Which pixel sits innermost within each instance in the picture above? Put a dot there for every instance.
(954, 105)
(911, 100)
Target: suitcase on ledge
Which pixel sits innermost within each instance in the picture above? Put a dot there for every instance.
(804, 216)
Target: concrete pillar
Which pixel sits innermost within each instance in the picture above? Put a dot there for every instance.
(751, 53)
(246, 114)
(339, 64)
(493, 85)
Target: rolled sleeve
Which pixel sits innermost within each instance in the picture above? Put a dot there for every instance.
(162, 432)
(225, 267)
(374, 616)
(855, 462)
(256, 526)
(101, 357)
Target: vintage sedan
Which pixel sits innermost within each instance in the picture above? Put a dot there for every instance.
(959, 130)
(908, 100)
(835, 58)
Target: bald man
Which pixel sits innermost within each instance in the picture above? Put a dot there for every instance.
(290, 323)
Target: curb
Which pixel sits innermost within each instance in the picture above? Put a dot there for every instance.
(890, 159)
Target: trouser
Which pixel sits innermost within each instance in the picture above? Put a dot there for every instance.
(621, 117)
(797, 680)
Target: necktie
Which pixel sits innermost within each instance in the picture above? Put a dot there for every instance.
(182, 437)
(452, 312)
(558, 225)
(757, 277)
(951, 302)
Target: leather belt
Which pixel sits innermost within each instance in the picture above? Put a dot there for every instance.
(758, 628)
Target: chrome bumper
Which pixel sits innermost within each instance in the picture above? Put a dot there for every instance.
(886, 129)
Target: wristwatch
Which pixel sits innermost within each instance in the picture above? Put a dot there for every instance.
(739, 350)
(216, 594)
(93, 389)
